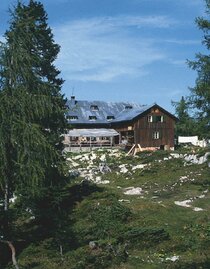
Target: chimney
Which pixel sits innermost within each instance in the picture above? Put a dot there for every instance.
(73, 101)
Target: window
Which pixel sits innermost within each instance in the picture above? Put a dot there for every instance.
(94, 107)
(72, 118)
(92, 118)
(158, 118)
(150, 119)
(156, 135)
(155, 118)
(110, 117)
(128, 107)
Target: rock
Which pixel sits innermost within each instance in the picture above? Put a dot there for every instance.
(93, 245)
(197, 209)
(139, 166)
(124, 200)
(176, 155)
(78, 157)
(99, 181)
(184, 203)
(173, 258)
(123, 170)
(103, 158)
(133, 191)
(192, 158)
(104, 168)
(105, 182)
(74, 173)
(93, 156)
(204, 158)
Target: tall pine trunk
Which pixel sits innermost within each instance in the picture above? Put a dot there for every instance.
(6, 197)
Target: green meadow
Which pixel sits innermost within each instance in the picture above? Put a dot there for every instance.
(148, 211)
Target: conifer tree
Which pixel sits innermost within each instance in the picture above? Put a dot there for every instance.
(186, 125)
(31, 108)
(200, 94)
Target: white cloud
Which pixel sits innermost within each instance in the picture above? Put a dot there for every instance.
(138, 21)
(101, 49)
(183, 41)
(178, 62)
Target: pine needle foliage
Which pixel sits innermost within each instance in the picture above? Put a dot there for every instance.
(186, 124)
(200, 94)
(32, 106)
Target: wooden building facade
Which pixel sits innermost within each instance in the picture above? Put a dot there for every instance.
(150, 127)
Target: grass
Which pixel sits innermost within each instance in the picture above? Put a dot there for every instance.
(143, 231)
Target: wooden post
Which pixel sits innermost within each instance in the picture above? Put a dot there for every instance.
(131, 149)
(140, 147)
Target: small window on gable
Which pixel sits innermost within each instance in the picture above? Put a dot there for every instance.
(155, 118)
(94, 107)
(128, 107)
(73, 118)
(158, 118)
(110, 118)
(156, 135)
(92, 118)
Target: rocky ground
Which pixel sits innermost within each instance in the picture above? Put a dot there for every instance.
(168, 190)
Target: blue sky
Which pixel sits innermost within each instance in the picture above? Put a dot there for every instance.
(124, 50)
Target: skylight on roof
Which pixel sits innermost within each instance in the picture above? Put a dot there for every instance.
(92, 118)
(94, 107)
(72, 118)
(109, 118)
(128, 107)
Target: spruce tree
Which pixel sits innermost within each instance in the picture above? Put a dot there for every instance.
(186, 124)
(200, 94)
(31, 109)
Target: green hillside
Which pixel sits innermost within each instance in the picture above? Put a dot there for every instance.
(148, 211)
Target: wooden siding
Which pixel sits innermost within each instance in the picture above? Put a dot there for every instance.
(141, 131)
(144, 130)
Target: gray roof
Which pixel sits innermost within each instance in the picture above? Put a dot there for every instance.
(121, 111)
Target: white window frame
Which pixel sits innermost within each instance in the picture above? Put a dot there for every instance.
(161, 118)
(156, 135)
(150, 118)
